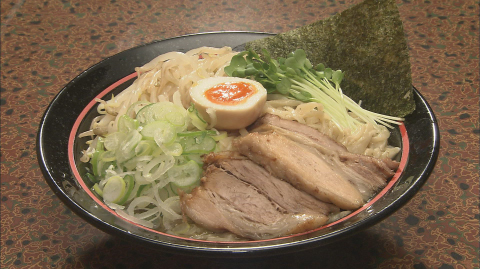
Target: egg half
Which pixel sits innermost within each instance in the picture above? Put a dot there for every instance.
(230, 103)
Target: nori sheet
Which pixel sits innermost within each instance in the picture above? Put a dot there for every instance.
(367, 42)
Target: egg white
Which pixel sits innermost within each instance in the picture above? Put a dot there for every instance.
(228, 116)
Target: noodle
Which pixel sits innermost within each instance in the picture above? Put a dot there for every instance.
(366, 140)
(169, 77)
(167, 74)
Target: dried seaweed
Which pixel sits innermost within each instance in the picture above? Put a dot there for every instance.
(367, 42)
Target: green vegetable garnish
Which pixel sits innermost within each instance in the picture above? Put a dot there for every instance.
(155, 144)
(296, 78)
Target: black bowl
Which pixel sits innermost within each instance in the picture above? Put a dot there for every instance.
(72, 109)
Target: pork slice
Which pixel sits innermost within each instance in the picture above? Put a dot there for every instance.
(301, 167)
(223, 202)
(270, 122)
(384, 167)
(214, 157)
(278, 191)
(366, 173)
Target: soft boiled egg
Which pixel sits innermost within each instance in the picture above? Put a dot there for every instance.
(229, 103)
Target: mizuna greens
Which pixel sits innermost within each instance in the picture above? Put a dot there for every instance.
(297, 78)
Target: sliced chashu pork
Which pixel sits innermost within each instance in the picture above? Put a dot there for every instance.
(278, 191)
(294, 163)
(270, 122)
(239, 196)
(368, 174)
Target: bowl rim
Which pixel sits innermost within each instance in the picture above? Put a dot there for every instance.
(216, 248)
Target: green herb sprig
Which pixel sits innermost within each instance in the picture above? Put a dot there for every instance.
(296, 77)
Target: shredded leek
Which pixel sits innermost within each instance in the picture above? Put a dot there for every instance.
(155, 153)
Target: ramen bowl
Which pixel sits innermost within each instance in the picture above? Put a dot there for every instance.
(74, 107)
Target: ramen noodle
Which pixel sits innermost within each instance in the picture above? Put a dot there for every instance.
(168, 78)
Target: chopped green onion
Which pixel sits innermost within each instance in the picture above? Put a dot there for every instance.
(130, 182)
(114, 189)
(126, 124)
(97, 190)
(196, 119)
(185, 177)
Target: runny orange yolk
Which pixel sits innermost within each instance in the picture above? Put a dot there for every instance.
(230, 93)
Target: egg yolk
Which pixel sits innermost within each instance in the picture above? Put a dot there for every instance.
(230, 93)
